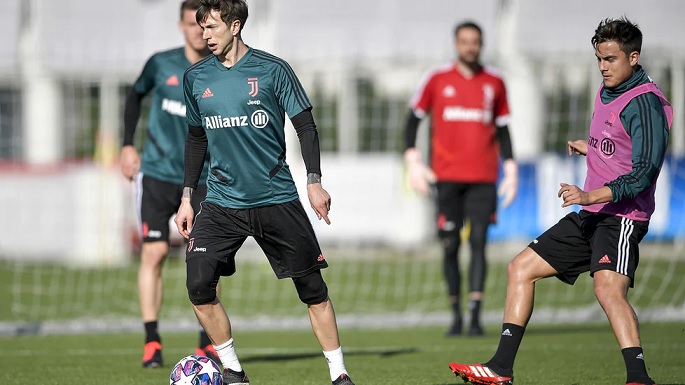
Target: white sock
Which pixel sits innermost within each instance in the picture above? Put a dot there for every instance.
(336, 363)
(227, 355)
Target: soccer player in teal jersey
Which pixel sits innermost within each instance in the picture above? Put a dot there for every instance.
(236, 104)
(159, 177)
(625, 150)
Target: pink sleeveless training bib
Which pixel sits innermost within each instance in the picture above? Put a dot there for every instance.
(609, 153)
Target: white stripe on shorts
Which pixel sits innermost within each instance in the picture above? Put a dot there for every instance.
(627, 228)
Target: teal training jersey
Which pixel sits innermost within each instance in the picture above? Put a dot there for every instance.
(242, 110)
(163, 153)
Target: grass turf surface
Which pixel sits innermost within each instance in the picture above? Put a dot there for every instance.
(550, 354)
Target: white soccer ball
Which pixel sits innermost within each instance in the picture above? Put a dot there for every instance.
(196, 370)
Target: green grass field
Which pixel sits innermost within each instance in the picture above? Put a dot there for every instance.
(551, 354)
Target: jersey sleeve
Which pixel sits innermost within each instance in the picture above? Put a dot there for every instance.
(422, 101)
(146, 81)
(501, 107)
(646, 123)
(193, 117)
(289, 92)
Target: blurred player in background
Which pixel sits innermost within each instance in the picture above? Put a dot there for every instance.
(237, 99)
(469, 118)
(159, 177)
(625, 150)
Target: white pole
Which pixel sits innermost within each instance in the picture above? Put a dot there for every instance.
(41, 96)
(348, 116)
(523, 84)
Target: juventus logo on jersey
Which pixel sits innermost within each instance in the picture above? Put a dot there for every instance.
(254, 86)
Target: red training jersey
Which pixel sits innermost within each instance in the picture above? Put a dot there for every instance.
(464, 114)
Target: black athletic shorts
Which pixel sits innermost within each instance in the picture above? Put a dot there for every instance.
(283, 232)
(586, 241)
(157, 202)
(459, 201)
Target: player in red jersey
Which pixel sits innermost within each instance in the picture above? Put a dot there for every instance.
(469, 113)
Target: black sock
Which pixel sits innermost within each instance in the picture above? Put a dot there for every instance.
(510, 340)
(204, 339)
(635, 365)
(474, 306)
(456, 310)
(151, 333)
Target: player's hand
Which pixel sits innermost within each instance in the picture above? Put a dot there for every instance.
(184, 218)
(508, 187)
(129, 162)
(578, 147)
(320, 201)
(573, 195)
(420, 176)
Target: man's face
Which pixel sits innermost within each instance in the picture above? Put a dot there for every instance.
(616, 67)
(468, 45)
(192, 31)
(217, 34)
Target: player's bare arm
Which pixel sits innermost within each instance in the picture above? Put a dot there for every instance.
(578, 147)
(574, 195)
(318, 197)
(185, 214)
(129, 161)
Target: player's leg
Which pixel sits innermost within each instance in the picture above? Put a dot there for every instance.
(150, 289)
(480, 205)
(313, 292)
(561, 251)
(526, 268)
(450, 205)
(204, 346)
(614, 262)
(154, 212)
(289, 242)
(217, 235)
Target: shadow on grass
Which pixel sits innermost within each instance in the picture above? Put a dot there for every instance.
(380, 352)
(568, 328)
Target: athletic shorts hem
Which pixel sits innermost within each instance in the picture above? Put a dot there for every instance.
(300, 274)
(569, 280)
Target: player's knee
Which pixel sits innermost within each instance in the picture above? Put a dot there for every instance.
(201, 291)
(311, 288)
(450, 242)
(610, 287)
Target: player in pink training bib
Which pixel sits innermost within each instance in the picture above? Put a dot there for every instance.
(625, 151)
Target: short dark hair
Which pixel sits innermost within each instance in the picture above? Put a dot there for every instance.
(230, 10)
(622, 31)
(189, 5)
(469, 24)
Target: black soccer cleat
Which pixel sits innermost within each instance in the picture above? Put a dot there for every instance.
(475, 330)
(152, 355)
(209, 352)
(344, 379)
(232, 377)
(455, 329)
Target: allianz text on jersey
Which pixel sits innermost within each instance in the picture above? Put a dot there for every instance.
(461, 114)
